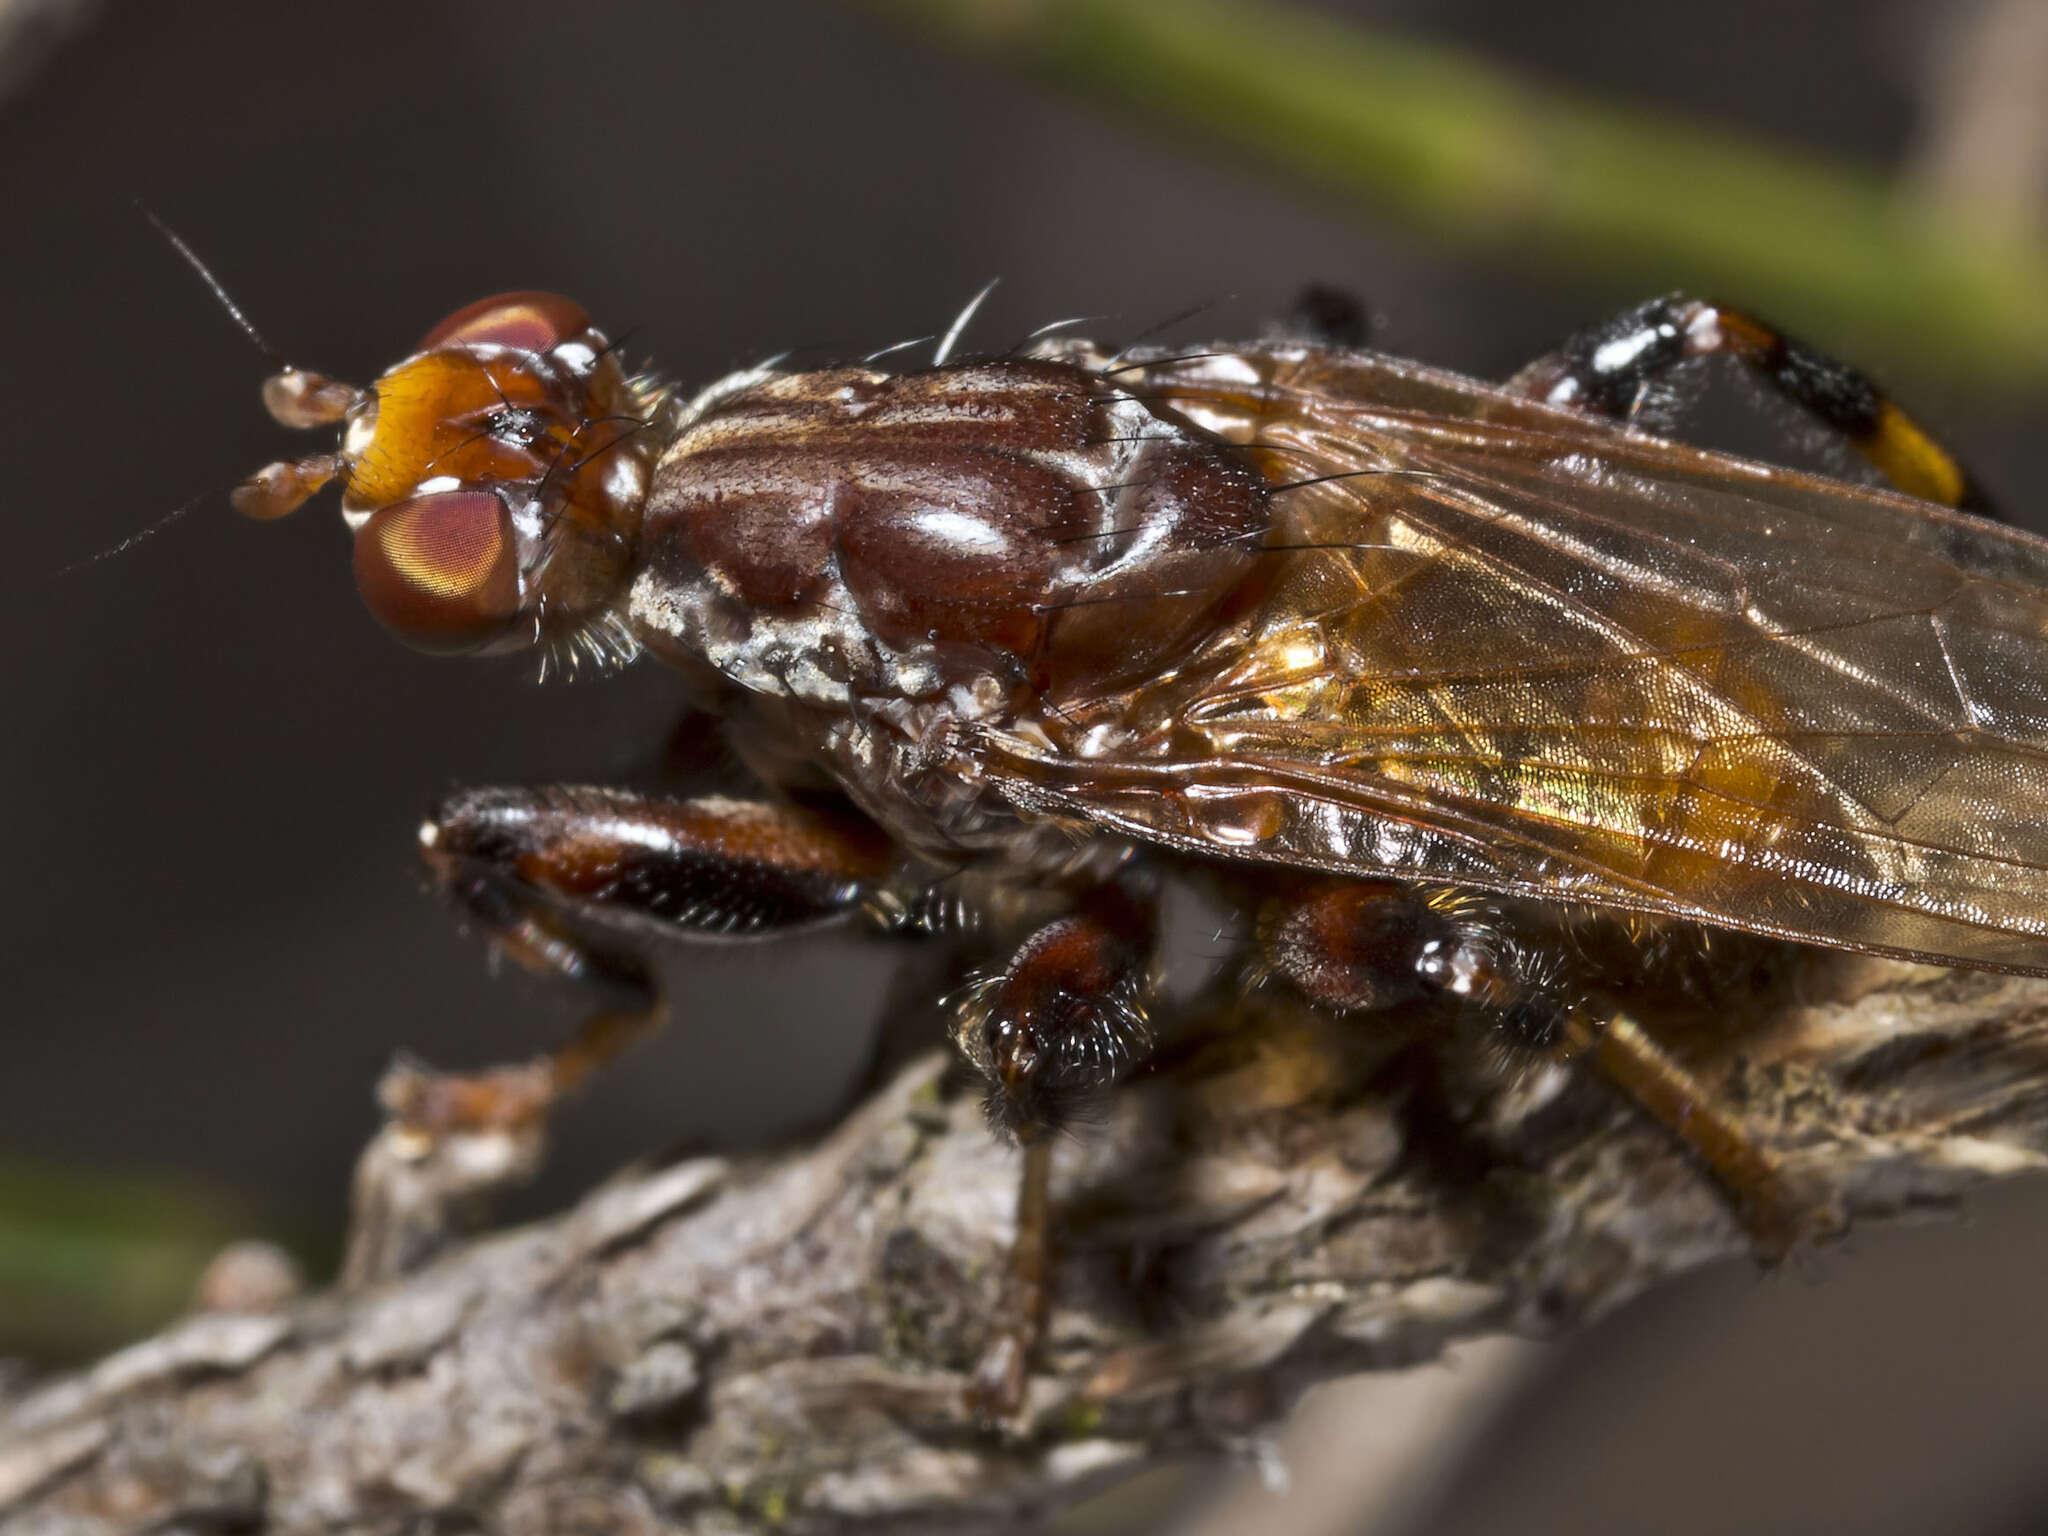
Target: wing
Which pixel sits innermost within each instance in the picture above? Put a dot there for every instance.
(1525, 651)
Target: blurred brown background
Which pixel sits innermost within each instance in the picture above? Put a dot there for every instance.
(214, 931)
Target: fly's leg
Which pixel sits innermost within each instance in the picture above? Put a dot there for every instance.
(1624, 367)
(450, 1141)
(572, 884)
(1323, 315)
(1055, 1026)
(1364, 944)
(1775, 1218)
(995, 1390)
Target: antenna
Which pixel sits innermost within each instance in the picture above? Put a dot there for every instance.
(215, 287)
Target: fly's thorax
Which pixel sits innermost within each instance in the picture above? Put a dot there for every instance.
(913, 767)
(979, 535)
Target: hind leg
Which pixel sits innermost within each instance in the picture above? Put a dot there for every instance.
(1625, 367)
(1362, 945)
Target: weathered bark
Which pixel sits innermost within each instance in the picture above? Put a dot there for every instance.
(781, 1340)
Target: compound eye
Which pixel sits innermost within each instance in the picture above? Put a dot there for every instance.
(531, 322)
(441, 572)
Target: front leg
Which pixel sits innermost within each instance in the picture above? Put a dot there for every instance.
(1057, 1025)
(578, 884)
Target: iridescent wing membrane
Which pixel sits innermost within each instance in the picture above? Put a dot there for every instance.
(1526, 651)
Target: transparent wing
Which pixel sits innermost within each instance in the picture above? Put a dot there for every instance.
(1524, 651)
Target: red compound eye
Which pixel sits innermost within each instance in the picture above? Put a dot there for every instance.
(532, 322)
(442, 571)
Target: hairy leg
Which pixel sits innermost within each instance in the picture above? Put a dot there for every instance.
(1059, 1022)
(1356, 945)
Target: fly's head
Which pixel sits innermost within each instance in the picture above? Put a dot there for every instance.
(493, 480)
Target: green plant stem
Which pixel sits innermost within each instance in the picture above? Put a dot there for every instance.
(90, 1260)
(1472, 155)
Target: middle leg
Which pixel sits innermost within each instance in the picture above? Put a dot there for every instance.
(1056, 1025)
(1355, 945)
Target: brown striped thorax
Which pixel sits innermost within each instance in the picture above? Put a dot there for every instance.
(857, 533)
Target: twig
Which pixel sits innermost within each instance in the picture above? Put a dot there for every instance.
(779, 1342)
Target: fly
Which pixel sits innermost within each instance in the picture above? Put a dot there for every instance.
(1458, 687)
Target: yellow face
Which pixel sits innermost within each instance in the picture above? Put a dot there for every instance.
(493, 479)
